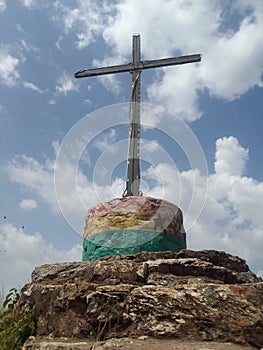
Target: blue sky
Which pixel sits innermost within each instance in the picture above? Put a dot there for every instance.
(212, 112)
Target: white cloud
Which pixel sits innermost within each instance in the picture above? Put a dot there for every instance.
(231, 62)
(103, 142)
(20, 253)
(237, 57)
(32, 86)
(34, 175)
(76, 194)
(178, 91)
(230, 156)
(66, 84)
(110, 82)
(28, 204)
(52, 102)
(11, 56)
(149, 146)
(27, 3)
(87, 19)
(8, 65)
(26, 46)
(172, 30)
(58, 43)
(227, 35)
(232, 217)
(33, 3)
(2, 5)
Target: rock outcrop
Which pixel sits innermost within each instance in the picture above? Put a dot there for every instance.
(195, 295)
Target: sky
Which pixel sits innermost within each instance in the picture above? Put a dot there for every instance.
(64, 140)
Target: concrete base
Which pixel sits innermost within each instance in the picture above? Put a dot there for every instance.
(131, 225)
(120, 242)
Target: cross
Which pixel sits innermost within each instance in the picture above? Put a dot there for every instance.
(135, 67)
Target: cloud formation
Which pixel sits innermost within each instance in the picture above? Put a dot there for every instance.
(87, 19)
(228, 37)
(2, 5)
(28, 204)
(21, 252)
(231, 157)
(32, 86)
(36, 176)
(8, 68)
(65, 84)
(232, 215)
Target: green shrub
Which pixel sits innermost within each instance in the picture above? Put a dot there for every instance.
(14, 331)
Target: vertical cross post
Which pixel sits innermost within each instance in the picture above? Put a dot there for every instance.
(133, 171)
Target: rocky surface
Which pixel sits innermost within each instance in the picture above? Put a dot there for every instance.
(142, 343)
(190, 295)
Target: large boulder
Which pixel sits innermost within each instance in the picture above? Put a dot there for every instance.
(195, 295)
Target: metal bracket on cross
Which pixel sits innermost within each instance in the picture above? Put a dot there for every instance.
(135, 67)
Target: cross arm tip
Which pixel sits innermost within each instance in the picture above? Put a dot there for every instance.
(79, 73)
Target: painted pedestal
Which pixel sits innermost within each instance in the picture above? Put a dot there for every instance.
(132, 225)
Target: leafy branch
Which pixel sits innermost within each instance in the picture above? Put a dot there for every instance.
(14, 331)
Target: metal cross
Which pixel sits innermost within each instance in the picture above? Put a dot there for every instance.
(135, 67)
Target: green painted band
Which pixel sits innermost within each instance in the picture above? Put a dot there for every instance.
(129, 242)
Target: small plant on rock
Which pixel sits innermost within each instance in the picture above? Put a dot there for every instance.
(14, 331)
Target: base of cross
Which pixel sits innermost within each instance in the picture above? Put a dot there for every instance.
(131, 225)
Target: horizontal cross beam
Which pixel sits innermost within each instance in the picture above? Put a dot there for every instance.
(131, 67)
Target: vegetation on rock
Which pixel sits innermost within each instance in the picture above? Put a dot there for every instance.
(15, 329)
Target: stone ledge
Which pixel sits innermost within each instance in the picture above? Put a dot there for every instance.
(143, 343)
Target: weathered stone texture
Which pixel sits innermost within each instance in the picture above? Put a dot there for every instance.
(140, 213)
(142, 343)
(130, 225)
(198, 295)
